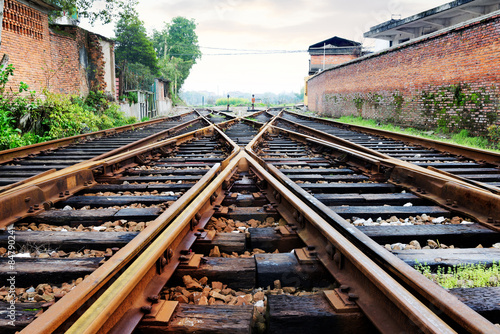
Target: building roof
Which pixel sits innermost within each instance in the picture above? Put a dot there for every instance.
(334, 42)
(433, 19)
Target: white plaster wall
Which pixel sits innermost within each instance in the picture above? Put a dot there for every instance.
(130, 110)
(109, 67)
(164, 107)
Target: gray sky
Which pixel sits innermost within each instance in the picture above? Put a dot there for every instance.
(267, 25)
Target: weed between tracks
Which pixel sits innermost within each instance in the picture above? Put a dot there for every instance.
(463, 275)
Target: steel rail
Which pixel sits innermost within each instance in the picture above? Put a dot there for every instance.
(8, 155)
(403, 301)
(440, 188)
(340, 141)
(55, 316)
(436, 295)
(18, 202)
(134, 145)
(331, 138)
(95, 319)
(475, 154)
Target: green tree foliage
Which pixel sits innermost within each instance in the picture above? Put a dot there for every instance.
(25, 120)
(133, 45)
(137, 76)
(105, 11)
(233, 101)
(178, 49)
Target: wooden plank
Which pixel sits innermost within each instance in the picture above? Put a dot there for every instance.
(100, 201)
(321, 171)
(175, 178)
(286, 268)
(237, 273)
(71, 241)
(33, 271)
(369, 199)
(142, 214)
(342, 188)
(482, 300)
(216, 319)
(269, 239)
(93, 217)
(24, 315)
(75, 217)
(312, 314)
(244, 200)
(227, 243)
(175, 187)
(330, 178)
(247, 213)
(460, 235)
(387, 211)
(449, 257)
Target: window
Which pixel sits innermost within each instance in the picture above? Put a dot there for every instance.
(22, 19)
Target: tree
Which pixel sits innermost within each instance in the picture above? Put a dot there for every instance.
(132, 43)
(109, 9)
(177, 46)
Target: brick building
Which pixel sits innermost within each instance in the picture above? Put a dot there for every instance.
(61, 58)
(449, 78)
(331, 52)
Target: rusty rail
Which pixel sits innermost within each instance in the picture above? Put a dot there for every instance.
(120, 307)
(83, 295)
(473, 201)
(8, 155)
(475, 154)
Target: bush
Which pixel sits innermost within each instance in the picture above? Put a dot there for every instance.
(25, 120)
(494, 135)
(233, 101)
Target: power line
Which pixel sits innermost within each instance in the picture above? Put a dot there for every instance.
(270, 52)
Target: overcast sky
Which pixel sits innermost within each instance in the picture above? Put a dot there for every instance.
(290, 25)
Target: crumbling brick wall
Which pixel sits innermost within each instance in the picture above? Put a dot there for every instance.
(67, 75)
(78, 60)
(449, 79)
(25, 40)
(62, 59)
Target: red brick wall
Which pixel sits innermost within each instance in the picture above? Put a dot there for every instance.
(331, 59)
(50, 59)
(30, 56)
(449, 79)
(68, 75)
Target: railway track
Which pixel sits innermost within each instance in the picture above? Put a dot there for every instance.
(18, 165)
(76, 235)
(478, 166)
(239, 227)
(261, 116)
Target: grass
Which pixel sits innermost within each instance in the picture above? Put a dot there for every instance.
(217, 116)
(464, 275)
(462, 138)
(252, 119)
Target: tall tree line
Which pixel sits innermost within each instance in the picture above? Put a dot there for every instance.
(169, 53)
